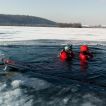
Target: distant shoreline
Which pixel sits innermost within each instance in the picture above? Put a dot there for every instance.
(32, 21)
(50, 26)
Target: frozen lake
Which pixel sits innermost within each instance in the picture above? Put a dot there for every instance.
(8, 33)
(40, 78)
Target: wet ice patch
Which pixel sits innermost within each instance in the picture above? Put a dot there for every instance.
(2, 86)
(88, 104)
(12, 93)
(92, 100)
(16, 83)
(14, 97)
(35, 83)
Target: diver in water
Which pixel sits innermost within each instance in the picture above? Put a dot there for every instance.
(85, 54)
(5, 61)
(67, 53)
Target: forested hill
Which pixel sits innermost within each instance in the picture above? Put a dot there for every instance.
(24, 20)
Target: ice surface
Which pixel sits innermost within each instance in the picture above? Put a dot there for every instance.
(15, 95)
(35, 83)
(11, 33)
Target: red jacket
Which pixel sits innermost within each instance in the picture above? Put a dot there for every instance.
(85, 56)
(66, 55)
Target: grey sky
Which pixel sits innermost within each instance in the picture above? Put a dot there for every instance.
(91, 12)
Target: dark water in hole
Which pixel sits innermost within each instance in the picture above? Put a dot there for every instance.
(40, 78)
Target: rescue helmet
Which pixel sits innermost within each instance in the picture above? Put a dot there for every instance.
(84, 48)
(68, 47)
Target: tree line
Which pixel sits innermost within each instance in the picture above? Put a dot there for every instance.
(73, 25)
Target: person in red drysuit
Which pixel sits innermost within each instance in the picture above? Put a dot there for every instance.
(66, 53)
(84, 56)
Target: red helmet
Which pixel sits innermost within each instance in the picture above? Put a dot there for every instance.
(84, 48)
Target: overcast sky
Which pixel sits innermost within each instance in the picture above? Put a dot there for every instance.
(91, 12)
